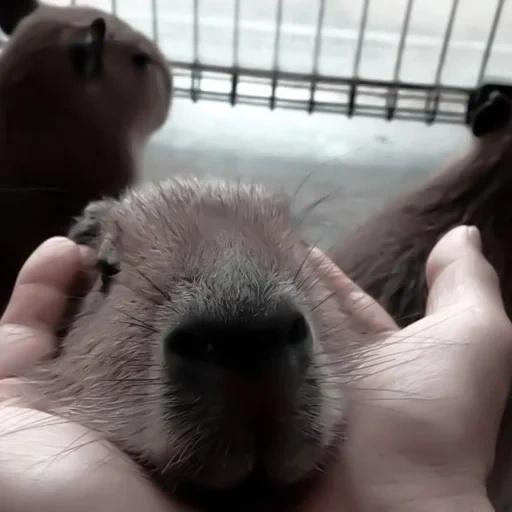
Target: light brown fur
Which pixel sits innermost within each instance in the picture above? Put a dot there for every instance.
(185, 246)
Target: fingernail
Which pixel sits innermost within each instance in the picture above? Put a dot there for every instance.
(56, 240)
(474, 237)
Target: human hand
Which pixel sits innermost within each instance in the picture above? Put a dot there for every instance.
(47, 464)
(397, 407)
(428, 399)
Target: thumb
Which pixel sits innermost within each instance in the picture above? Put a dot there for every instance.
(457, 273)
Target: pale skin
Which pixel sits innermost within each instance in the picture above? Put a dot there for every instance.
(421, 430)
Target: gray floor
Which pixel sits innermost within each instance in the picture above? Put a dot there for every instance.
(363, 161)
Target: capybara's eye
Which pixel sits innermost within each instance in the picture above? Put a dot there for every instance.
(108, 267)
(141, 59)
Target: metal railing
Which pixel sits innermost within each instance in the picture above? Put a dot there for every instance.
(397, 59)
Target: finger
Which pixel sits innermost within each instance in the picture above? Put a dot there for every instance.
(38, 302)
(362, 309)
(465, 293)
(44, 284)
(458, 273)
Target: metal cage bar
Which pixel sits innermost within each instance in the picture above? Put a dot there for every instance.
(357, 58)
(320, 62)
(275, 58)
(392, 96)
(236, 46)
(432, 101)
(490, 39)
(317, 49)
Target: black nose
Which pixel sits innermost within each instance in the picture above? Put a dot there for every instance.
(245, 343)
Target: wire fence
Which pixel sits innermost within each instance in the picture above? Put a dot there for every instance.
(397, 59)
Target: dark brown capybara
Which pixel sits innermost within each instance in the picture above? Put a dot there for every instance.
(80, 94)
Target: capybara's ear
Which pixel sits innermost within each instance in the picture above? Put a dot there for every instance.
(13, 11)
(87, 230)
(87, 53)
(87, 227)
(494, 115)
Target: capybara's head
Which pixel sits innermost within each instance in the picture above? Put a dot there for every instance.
(85, 62)
(211, 347)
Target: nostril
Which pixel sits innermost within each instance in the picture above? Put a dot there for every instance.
(190, 342)
(299, 331)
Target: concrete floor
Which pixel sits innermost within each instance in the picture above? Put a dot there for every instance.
(362, 161)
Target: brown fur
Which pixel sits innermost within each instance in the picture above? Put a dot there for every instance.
(197, 246)
(66, 137)
(386, 256)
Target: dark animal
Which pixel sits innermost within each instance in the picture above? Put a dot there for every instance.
(80, 94)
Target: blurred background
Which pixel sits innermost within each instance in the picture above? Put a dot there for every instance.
(362, 97)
